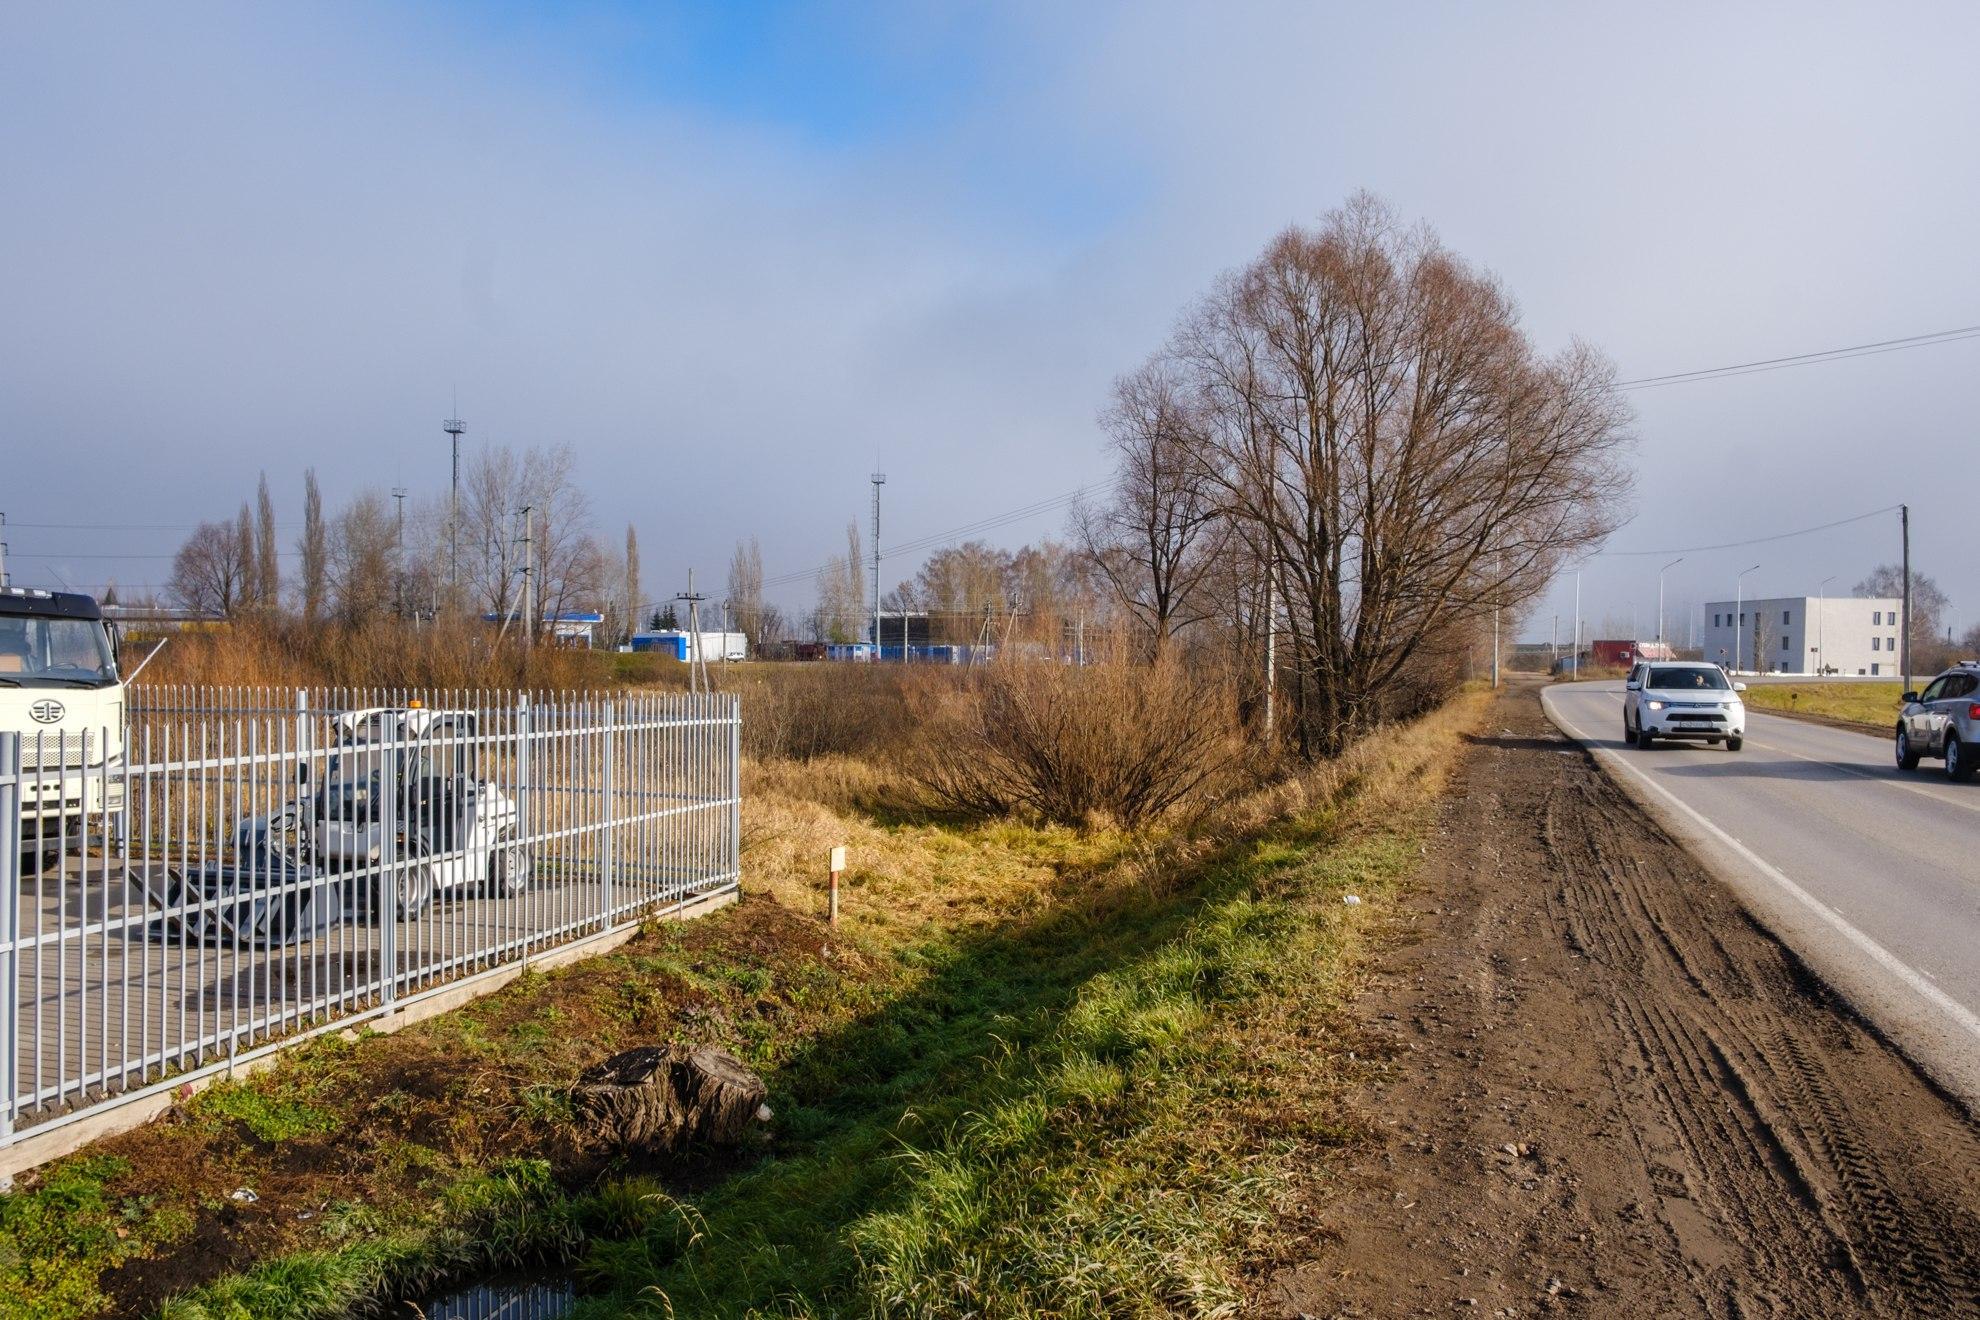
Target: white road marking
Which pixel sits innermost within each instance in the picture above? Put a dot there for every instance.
(1873, 776)
(1962, 1016)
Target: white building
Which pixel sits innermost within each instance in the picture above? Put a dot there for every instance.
(1805, 635)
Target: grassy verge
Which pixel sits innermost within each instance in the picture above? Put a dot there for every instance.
(1871, 706)
(1037, 1071)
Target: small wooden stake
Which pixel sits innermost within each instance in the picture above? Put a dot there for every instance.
(838, 864)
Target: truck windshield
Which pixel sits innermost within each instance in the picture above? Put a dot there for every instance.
(38, 651)
(1707, 680)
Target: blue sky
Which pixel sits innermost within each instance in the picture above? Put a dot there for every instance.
(735, 254)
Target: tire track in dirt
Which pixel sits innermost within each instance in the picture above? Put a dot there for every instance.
(1609, 1093)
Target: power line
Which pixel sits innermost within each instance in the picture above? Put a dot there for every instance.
(1758, 540)
(1804, 359)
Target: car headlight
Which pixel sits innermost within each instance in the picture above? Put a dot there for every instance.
(1656, 705)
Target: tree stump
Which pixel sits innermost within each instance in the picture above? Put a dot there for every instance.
(654, 1099)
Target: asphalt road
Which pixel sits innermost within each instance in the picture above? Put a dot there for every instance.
(1871, 875)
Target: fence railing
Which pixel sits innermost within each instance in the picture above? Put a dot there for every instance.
(242, 868)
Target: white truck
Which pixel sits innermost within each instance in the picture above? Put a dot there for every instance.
(60, 691)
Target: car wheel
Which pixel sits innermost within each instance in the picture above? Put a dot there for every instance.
(1907, 759)
(1960, 763)
(508, 865)
(1734, 744)
(1629, 734)
(418, 892)
(1645, 739)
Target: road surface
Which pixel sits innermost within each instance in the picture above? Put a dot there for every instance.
(1870, 875)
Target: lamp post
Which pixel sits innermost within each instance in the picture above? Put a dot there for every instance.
(1821, 625)
(1739, 610)
(1660, 596)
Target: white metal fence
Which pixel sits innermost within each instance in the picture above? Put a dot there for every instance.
(245, 867)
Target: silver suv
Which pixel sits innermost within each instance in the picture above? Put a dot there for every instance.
(1943, 720)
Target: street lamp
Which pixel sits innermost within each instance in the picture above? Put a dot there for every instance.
(1660, 596)
(1739, 610)
(1821, 624)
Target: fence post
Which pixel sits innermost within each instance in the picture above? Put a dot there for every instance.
(606, 854)
(386, 900)
(10, 933)
(735, 790)
(522, 814)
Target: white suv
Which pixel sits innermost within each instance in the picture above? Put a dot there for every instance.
(1686, 699)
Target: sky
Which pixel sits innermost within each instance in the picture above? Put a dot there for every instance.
(740, 256)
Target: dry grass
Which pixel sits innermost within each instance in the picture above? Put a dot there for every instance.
(1871, 706)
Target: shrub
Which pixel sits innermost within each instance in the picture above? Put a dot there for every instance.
(1129, 742)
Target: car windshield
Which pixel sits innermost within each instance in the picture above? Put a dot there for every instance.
(38, 651)
(1688, 680)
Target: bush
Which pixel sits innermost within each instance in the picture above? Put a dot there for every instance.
(1128, 742)
(801, 712)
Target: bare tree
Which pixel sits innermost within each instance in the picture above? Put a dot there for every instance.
(315, 550)
(1924, 629)
(209, 572)
(746, 590)
(1381, 433)
(361, 556)
(1160, 534)
(267, 568)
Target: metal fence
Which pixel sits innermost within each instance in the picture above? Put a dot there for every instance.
(242, 868)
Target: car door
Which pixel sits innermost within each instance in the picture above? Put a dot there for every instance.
(1633, 695)
(1957, 689)
(1918, 722)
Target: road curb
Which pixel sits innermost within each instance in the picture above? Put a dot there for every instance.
(1939, 1037)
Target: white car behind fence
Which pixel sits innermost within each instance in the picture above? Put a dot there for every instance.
(272, 863)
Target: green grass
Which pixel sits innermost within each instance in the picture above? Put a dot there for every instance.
(1086, 1097)
(1078, 1116)
(56, 1238)
(1874, 706)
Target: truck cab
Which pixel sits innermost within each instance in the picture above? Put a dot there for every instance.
(61, 692)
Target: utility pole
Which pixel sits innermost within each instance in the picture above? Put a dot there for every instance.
(1904, 621)
(3, 551)
(697, 663)
(1660, 596)
(399, 553)
(529, 575)
(453, 426)
(1577, 623)
(1271, 650)
(879, 479)
(1739, 610)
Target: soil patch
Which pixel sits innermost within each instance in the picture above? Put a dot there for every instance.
(1600, 1089)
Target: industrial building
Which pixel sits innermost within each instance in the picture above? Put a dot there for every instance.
(1848, 635)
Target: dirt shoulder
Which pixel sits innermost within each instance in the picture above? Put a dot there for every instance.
(1605, 1091)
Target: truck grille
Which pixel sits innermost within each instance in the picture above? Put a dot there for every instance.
(68, 751)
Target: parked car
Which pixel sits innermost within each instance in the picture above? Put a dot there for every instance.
(1683, 699)
(1943, 721)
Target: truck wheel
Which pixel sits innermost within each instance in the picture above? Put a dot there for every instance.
(1960, 763)
(1907, 759)
(508, 865)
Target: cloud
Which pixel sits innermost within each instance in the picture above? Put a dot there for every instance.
(271, 237)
